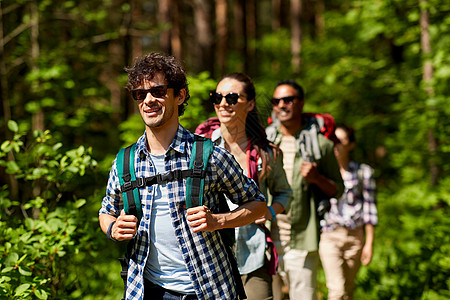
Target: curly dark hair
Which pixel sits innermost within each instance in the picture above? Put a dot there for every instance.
(147, 66)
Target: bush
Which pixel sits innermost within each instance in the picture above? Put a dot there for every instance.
(49, 236)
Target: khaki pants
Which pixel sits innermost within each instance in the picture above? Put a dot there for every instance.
(258, 284)
(340, 253)
(299, 274)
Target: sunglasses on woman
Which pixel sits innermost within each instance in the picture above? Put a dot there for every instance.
(286, 100)
(156, 91)
(231, 98)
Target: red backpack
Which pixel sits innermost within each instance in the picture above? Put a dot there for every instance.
(326, 124)
(206, 128)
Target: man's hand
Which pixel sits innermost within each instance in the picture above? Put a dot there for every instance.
(200, 218)
(309, 171)
(125, 227)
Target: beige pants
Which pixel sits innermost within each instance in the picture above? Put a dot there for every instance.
(340, 253)
(299, 275)
(258, 284)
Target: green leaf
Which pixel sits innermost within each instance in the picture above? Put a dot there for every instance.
(12, 259)
(80, 203)
(12, 167)
(7, 269)
(41, 294)
(25, 272)
(6, 146)
(12, 125)
(22, 288)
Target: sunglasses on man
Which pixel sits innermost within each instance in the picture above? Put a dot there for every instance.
(159, 91)
(231, 98)
(286, 100)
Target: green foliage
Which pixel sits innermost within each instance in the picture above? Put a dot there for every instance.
(365, 68)
(199, 108)
(45, 235)
(411, 259)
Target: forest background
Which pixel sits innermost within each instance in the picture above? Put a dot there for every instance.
(381, 66)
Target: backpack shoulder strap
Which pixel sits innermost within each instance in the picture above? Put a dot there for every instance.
(126, 173)
(271, 132)
(201, 151)
(309, 140)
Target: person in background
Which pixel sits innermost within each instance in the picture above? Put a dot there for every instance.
(177, 253)
(241, 133)
(297, 233)
(348, 229)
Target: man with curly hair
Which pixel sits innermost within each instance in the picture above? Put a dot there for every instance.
(177, 253)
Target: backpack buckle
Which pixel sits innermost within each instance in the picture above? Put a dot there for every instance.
(177, 175)
(126, 186)
(197, 173)
(140, 182)
(165, 177)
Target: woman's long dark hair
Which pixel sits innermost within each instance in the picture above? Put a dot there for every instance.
(253, 127)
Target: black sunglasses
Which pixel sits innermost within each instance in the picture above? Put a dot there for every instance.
(156, 91)
(286, 100)
(231, 98)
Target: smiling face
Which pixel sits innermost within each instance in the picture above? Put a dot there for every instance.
(163, 111)
(288, 113)
(233, 114)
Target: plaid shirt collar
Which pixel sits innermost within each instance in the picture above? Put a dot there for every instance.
(178, 144)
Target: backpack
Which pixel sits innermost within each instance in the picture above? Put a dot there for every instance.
(195, 177)
(316, 123)
(206, 128)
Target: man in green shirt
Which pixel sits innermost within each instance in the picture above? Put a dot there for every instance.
(299, 230)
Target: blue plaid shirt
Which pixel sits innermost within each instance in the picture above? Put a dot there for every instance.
(203, 252)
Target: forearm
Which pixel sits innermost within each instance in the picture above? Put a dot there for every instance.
(277, 207)
(243, 215)
(370, 233)
(105, 220)
(326, 185)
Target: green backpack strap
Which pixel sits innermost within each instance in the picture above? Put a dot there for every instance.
(201, 151)
(126, 173)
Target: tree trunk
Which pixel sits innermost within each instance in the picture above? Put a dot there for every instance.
(276, 14)
(38, 117)
(221, 35)
(13, 184)
(250, 27)
(239, 32)
(136, 15)
(203, 25)
(164, 20)
(4, 78)
(296, 34)
(175, 33)
(427, 78)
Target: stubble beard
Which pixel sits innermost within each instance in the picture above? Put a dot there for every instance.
(159, 120)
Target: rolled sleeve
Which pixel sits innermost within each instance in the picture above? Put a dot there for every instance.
(112, 203)
(238, 187)
(370, 213)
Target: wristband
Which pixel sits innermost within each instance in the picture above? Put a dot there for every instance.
(108, 233)
(273, 213)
